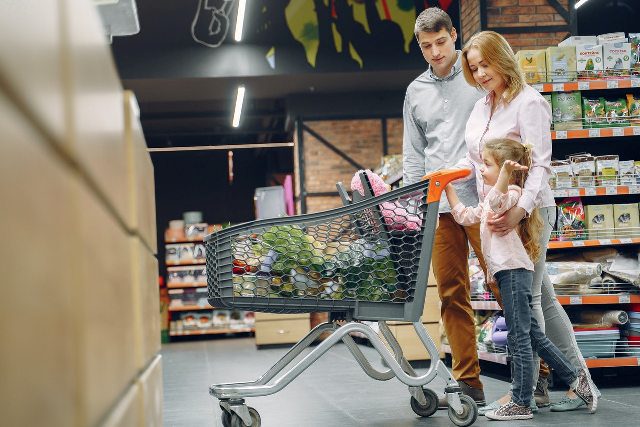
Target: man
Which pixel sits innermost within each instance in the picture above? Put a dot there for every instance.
(436, 108)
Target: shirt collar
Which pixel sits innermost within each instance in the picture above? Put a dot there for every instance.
(454, 70)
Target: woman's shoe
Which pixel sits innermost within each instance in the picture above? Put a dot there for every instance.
(510, 411)
(490, 407)
(567, 404)
(585, 391)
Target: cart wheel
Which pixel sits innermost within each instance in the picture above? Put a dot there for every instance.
(430, 408)
(469, 412)
(236, 421)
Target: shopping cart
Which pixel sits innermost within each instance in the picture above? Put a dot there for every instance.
(368, 260)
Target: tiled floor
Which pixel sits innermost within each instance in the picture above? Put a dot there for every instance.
(336, 392)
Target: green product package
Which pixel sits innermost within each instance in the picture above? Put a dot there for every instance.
(567, 110)
(616, 112)
(593, 112)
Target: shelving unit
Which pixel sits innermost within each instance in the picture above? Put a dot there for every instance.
(616, 296)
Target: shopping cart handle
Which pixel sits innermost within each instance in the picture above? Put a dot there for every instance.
(439, 179)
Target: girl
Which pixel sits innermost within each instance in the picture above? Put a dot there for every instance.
(514, 110)
(505, 163)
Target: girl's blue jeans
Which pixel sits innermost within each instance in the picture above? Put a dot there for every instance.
(525, 336)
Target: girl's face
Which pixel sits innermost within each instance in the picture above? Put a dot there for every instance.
(485, 74)
(489, 169)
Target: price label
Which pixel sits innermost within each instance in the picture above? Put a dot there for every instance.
(618, 132)
(605, 242)
(538, 87)
(636, 130)
(584, 85)
(573, 193)
(594, 133)
(558, 87)
(562, 134)
(560, 193)
(635, 82)
(578, 243)
(589, 191)
(624, 299)
(634, 189)
(626, 240)
(611, 191)
(575, 300)
(612, 84)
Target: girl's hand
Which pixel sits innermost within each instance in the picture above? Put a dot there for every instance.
(510, 166)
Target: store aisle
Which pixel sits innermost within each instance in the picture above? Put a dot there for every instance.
(333, 392)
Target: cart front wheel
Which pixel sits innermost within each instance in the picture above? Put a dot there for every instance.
(236, 421)
(429, 408)
(469, 412)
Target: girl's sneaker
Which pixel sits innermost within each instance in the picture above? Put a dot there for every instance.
(585, 391)
(510, 411)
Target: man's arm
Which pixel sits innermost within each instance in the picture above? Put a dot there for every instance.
(413, 145)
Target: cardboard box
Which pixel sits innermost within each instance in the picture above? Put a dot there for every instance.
(617, 58)
(561, 64)
(589, 61)
(611, 37)
(599, 221)
(567, 110)
(533, 64)
(578, 40)
(625, 220)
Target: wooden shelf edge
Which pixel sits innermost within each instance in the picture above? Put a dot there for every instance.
(210, 331)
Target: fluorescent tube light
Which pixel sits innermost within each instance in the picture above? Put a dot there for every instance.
(240, 19)
(237, 112)
(580, 3)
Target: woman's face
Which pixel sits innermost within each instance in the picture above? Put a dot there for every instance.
(484, 74)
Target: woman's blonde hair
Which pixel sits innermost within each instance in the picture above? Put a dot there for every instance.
(495, 51)
(530, 227)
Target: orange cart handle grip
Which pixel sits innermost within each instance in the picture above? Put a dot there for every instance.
(440, 179)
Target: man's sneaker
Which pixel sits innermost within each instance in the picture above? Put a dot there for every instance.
(541, 393)
(532, 405)
(567, 404)
(585, 391)
(476, 394)
(510, 411)
(490, 407)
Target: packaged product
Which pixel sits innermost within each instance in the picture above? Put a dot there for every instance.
(625, 220)
(589, 61)
(617, 59)
(627, 172)
(634, 39)
(584, 170)
(607, 169)
(561, 64)
(571, 224)
(533, 65)
(599, 221)
(593, 112)
(633, 107)
(611, 37)
(616, 112)
(636, 170)
(578, 40)
(561, 174)
(567, 110)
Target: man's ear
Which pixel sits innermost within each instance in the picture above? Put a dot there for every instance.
(454, 34)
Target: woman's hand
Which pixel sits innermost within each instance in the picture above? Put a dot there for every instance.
(507, 221)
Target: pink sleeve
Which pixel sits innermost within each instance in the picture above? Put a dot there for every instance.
(466, 215)
(502, 202)
(534, 119)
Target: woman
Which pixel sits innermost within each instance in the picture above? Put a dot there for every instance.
(514, 110)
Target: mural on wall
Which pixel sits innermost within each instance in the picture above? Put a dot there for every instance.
(211, 22)
(322, 35)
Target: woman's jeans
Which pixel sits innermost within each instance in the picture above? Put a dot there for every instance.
(550, 315)
(525, 337)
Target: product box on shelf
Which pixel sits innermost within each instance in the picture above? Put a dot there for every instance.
(626, 221)
(599, 221)
(611, 38)
(589, 61)
(634, 39)
(571, 220)
(186, 275)
(627, 172)
(617, 58)
(578, 40)
(561, 64)
(593, 112)
(633, 107)
(616, 112)
(561, 174)
(607, 168)
(533, 64)
(221, 318)
(584, 170)
(567, 110)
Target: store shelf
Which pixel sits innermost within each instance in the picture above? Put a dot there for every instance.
(178, 264)
(592, 243)
(210, 331)
(598, 299)
(485, 305)
(595, 132)
(613, 362)
(623, 83)
(187, 285)
(482, 355)
(189, 307)
(597, 191)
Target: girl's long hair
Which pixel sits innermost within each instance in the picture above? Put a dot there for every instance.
(530, 227)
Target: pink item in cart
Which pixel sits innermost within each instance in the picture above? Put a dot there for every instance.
(288, 195)
(395, 216)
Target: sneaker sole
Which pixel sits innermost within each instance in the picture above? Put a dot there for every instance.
(494, 417)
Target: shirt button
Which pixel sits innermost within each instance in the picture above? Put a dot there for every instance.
(446, 100)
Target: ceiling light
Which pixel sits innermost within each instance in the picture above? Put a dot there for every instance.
(240, 19)
(580, 3)
(237, 112)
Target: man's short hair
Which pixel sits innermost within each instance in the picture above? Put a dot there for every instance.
(432, 20)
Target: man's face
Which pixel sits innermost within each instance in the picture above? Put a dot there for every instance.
(439, 50)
